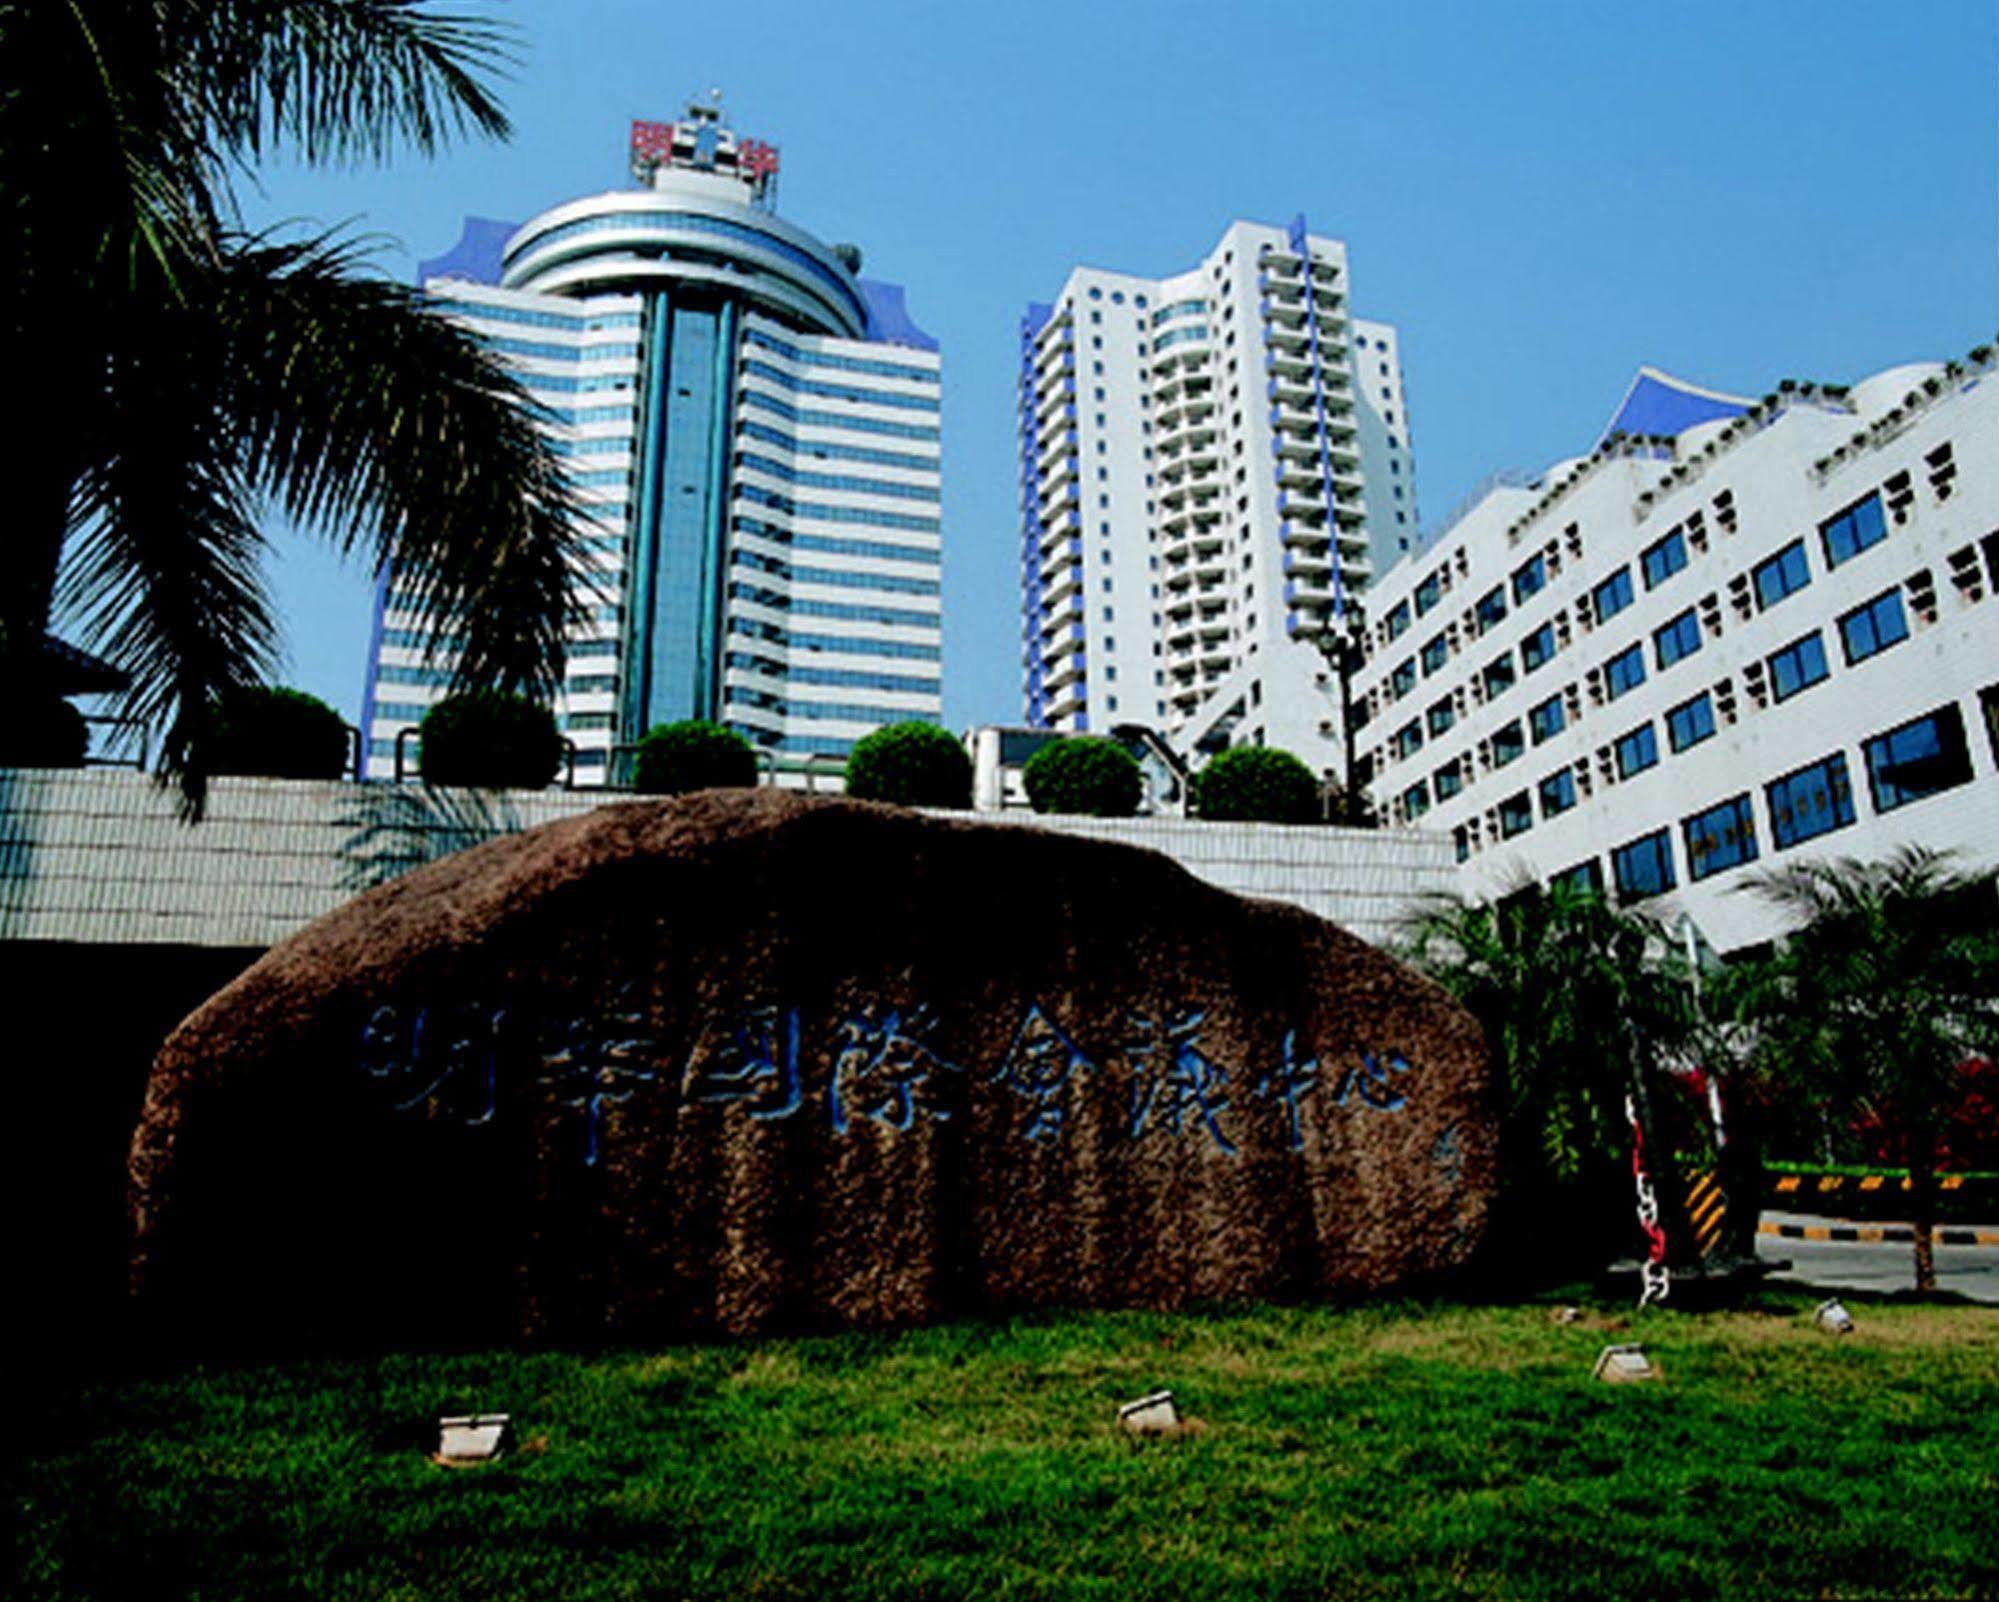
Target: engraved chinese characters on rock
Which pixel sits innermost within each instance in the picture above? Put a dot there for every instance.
(879, 1064)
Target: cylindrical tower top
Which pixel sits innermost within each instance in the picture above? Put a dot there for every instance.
(703, 218)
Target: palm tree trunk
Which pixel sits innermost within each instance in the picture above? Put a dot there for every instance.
(1922, 1154)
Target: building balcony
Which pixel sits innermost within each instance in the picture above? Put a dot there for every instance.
(1066, 555)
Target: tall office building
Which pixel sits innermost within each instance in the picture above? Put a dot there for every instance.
(1737, 635)
(1212, 468)
(754, 429)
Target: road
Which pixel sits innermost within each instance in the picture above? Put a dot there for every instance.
(1881, 1267)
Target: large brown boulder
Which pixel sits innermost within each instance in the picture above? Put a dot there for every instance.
(747, 1060)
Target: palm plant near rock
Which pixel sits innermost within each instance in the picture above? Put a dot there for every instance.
(1582, 1001)
(192, 379)
(1889, 982)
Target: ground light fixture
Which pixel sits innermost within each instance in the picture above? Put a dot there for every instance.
(1831, 1316)
(1150, 1415)
(471, 1438)
(1623, 1365)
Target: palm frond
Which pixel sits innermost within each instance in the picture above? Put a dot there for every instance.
(381, 423)
(338, 80)
(165, 574)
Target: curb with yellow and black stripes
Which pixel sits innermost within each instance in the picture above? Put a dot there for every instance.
(1875, 1233)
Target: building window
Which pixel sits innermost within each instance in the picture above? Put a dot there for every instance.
(1491, 608)
(1853, 531)
(1448, 780)
(1637, 751)
(1507, 745)
(1408, 739)
(1679, 638)
(1663, 559)
(1538, 647)
(1624, 671)
(1546, 721)
(1435, 654)
(1584, 879)
(1920, 758)
(1720, 838)
(1403, 679)
(1498, 677)
(1613, 595)
(1690, 722)
(1784, 574)
(1644, 867)
(1416, 800)
(1516, 816)
(1530, 579)
(1398, 620)
(1799, 666)
(1440, 717)
(1868, 630)
(1811, 802)
(1558, 793)
(1428, 593)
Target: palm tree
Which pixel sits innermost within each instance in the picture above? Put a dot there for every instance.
(1887, 985)
(1581, 1000)
(184, 378)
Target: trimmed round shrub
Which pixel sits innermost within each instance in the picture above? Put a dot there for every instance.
(912, 765)
(270, 733)
(1084, 773)
(46, 732)
(491, 741)
(675, 758)
(1256, 784)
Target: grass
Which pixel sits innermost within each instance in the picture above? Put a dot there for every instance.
(1399, 1450)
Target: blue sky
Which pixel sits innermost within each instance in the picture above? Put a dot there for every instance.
(1542, 196)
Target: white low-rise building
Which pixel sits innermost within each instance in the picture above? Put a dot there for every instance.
(1738, 634)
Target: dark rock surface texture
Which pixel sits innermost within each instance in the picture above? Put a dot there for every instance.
(748, 1061)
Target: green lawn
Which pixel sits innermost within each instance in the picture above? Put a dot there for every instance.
(1403, 1450)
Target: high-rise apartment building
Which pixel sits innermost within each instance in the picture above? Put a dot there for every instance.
(754, 429)
(1737, 635)
(1212, 467)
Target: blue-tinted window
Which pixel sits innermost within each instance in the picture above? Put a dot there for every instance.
(1624, 671)
(1585, 878)
(1440, 717)
(1491, 608)
(1719, 838)
(1398, 620)
(1853, 531)
(1644, 867)
(1546, 721)
(1663, 559)
(1408, 739)
(1428, 593)
(1690, 722)
(1507, 744)
(1799, 666)
(1530, 579)
(1613, 595)
(1498, 676)
(1784, 574)
(1516, 816)
(1637, 751)
(1810, 802)
(1917, 759)
(1538, 647)
(1416, 800)
(1872, 628)
(1558, 793)
(1448, 781)
(1403, 679)
(1435, 654)
(1679, 638)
